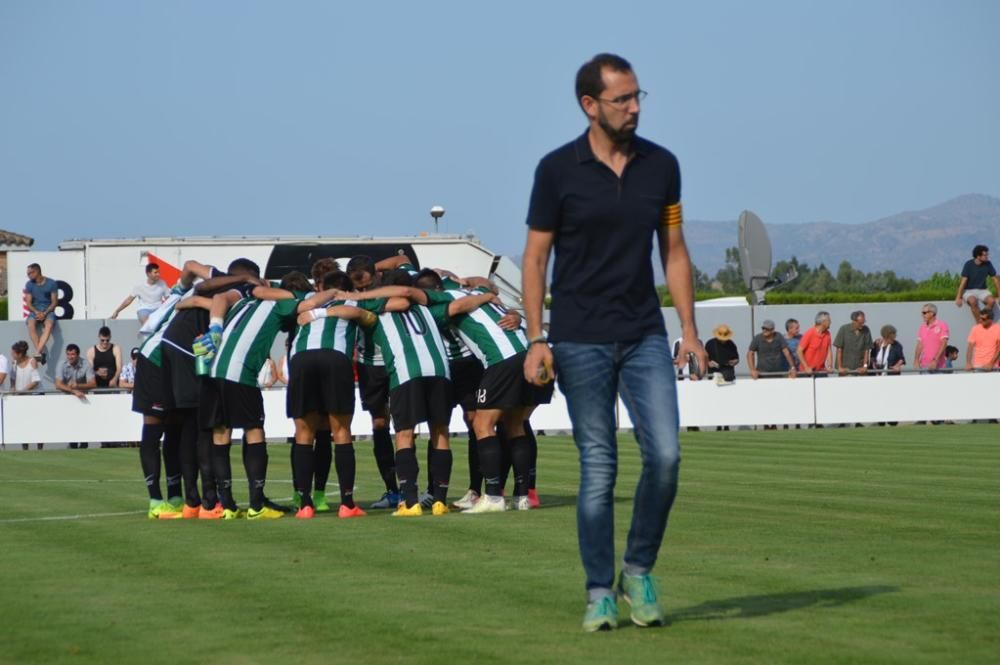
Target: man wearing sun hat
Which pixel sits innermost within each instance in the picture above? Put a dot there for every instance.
(723, 356)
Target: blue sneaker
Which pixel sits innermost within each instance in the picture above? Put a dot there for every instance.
(388, 500)
(601, 615)
(639, 591)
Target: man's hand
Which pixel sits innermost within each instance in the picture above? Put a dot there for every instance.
(792, 373)
(538, 365)
(863, 369)
(692, 346)
(510, 321)
(958, 301)
(754, 374)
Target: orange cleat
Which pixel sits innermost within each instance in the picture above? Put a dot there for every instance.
(305, 513)
(190, 512)
(344, 512)
(533, 498)
(211, 514)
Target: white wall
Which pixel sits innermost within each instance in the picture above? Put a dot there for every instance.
(56, 418)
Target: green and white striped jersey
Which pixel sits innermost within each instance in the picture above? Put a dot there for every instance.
(251, 326)
(152, 346)
(410, 342)
(330, 333)
(479, 328)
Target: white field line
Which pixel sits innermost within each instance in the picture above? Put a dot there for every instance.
(60, 518)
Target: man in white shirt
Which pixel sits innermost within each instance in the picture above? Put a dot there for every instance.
(150, 293)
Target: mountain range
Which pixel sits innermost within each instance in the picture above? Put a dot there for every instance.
(913, 244)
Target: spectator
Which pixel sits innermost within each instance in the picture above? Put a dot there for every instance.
(150, 293)
(854, 345)
(887, 354)
(950, 356)
(973, 284)
(4, 370)
(814, 348)
(686, 370)
(983, 351)
(723, 356)
(769, 352)
(24, 376)
(126, 379)
(41, 299)
(106, 359)
(75, 375)
(932, 340)
(792, 338)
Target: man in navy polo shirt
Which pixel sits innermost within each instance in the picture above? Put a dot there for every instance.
(598, 202)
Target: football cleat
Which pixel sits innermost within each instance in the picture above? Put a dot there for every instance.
(210, 513)
(190, 512)
(467, 501)
(304, 513)
(439, 508)
(487, 504)
(265, 513)
(319, 502)
(163, 510)
(533, 498)
(388, 500)
(345, 513)
(414, 511)
(426, 500)
(520, 503)
(233, 514)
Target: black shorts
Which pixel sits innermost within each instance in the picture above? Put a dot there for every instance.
(319, 381)
(423, 400)
(374, 383)
(184, 383)
(466, 373)
(503, 387)
(151, 395)
(229, 404)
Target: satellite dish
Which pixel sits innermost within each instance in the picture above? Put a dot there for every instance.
(755, 257)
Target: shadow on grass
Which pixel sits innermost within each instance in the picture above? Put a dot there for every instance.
(748, 607)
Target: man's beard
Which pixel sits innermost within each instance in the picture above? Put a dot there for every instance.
(620, 136)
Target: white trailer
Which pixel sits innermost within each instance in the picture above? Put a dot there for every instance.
(95, 275)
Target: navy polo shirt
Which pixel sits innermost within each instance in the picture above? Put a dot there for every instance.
(602, 282)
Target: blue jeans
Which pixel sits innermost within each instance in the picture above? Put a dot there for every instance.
(591, 376)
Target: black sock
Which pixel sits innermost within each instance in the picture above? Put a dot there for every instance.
(346, 470)
(303, 463)
(520, 452)
(149, 458)
(291, 464)
(506, 458)
(255, 464)
(533, 447)
(430, 468)
(172, 459)
(406, 467)
(475, 475)
(209, 493)
(440, 465)
(489, 463)
(223, 471)
(324, 458)
(382, 441)
(189, 457)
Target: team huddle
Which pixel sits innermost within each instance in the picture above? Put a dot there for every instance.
(419, 343)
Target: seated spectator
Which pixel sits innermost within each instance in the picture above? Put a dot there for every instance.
(853, 343)
(126, 379)
(887, 354)
(150, 293)
(723, 356)
(41, 297)
(24, 376)
(974, 285)
(106, 359)
(769, 353)
(75, 376)
(983, 351)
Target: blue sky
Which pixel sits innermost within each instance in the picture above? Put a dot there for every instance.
(129, 118)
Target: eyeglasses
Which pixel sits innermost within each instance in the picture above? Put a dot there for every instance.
(926, 311)
(104, 340)
(623, 100)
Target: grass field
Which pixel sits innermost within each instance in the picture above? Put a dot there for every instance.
(812, 546)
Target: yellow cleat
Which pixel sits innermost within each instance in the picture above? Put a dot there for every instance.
(264, 513)
(403, 511)
(439, 508)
